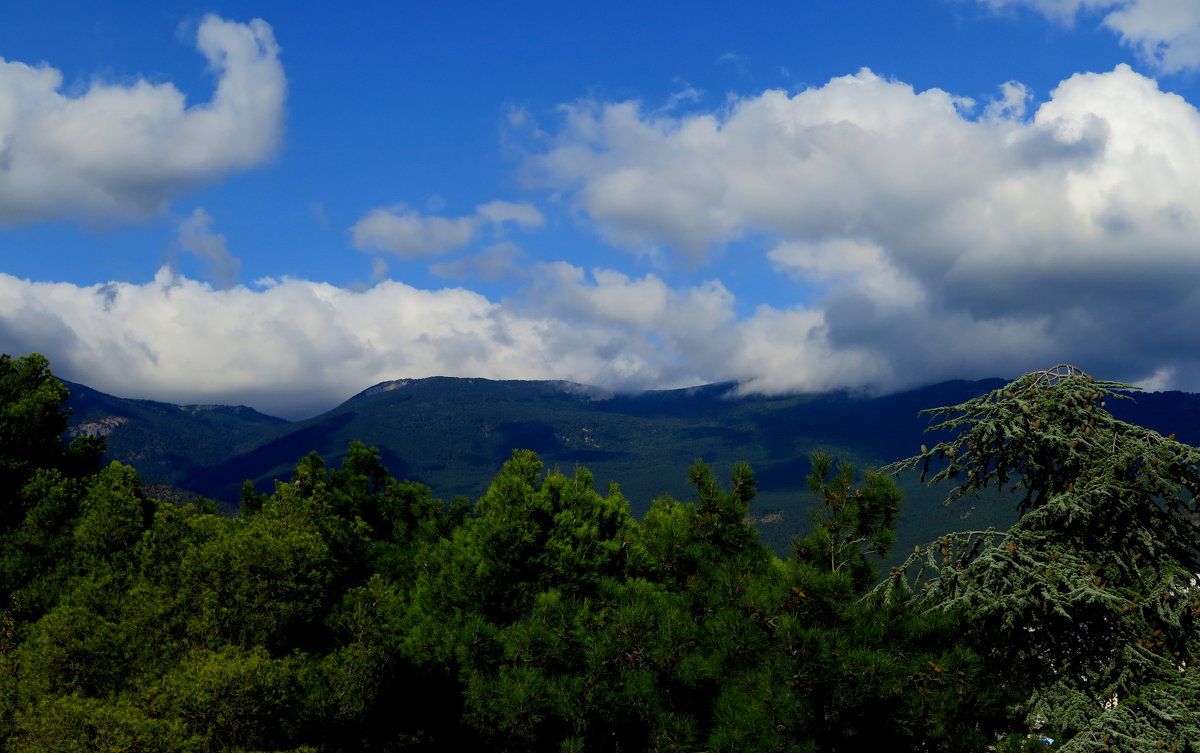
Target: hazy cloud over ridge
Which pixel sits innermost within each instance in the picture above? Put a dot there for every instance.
(121, 151)
(295, 347)
(292, 348)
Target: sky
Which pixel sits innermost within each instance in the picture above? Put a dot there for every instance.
(280, 204)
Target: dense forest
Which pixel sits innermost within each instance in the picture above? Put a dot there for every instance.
(352, 611)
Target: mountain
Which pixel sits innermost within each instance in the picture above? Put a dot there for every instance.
(453, 434)
(165, 442)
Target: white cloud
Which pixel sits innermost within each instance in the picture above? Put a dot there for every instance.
(196, 237)
(125, 151)
(493, 264)
(670, 337)
(379, 269)
(642, 304)
(1011, 104)
(409, 234)
(845, 263)
(524, 215)
(294, 347)
(947, 245)
(1063, 11)
(1159, 381)
(770, 162)
(1164, 32)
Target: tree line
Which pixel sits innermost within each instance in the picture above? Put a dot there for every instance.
(352, 611)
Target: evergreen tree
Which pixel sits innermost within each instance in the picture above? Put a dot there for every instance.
(850, 525)
(41, 479)
(824, 670)
(32, 421)
(1088, 606)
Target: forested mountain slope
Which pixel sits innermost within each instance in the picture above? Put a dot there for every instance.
(452, 434)
(168, 442)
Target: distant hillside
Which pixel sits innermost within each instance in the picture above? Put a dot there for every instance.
(453, 435)
(166, 442)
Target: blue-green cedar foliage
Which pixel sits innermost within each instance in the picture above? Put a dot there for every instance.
(1088, 606)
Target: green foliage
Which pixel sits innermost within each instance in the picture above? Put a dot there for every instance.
(349, 611)
(77, 722)
(113, 514)
(261, 582)
(1089, 603)
(31, 422)
(850, 524)
(34, 556)
(41, 482)
(453, 434)
(230, 698)
(694, 638)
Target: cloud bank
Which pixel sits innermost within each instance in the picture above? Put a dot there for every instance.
(123, 151)
(294, 348)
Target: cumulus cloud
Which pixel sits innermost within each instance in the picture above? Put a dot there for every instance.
(409, 234)
(703, 180)
(666, 337)
(125, 150)
(1164, 32)
(947, 241)
(1011, 104)
(196, 237)
(848, 264)
(609, 296)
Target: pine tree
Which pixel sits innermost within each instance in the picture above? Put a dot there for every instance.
(850, 523)
(1088, 606)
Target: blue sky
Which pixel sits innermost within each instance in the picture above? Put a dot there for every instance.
(279, 205)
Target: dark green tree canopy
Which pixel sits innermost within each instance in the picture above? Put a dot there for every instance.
(350, 611)
(32, 421)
